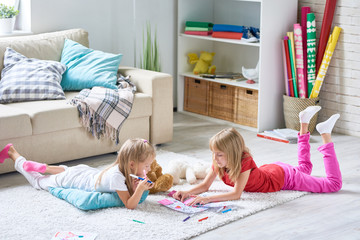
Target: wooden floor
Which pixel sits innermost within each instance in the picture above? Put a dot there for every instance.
(314, 216)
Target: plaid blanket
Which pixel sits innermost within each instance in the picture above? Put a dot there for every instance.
(102, 110)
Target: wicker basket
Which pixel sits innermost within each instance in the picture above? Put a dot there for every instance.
(292, 108)
(221, 104)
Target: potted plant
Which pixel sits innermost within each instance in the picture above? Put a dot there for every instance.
(150, 60)
(7, 17)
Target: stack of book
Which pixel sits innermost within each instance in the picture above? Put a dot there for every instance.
(227, 31)
(198, 28)
(285, 135)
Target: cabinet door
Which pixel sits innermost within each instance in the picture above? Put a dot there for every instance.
(246, 107)
(196, 95)
(221, 101)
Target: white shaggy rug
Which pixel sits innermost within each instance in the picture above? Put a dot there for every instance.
(26, 213)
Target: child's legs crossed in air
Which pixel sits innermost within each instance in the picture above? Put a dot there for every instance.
(304, 161)
(297, 180)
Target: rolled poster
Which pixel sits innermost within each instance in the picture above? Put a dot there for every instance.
(311, 51)
(325, 61)
(299, 61)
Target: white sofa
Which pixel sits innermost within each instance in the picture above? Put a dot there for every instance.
(50, 131)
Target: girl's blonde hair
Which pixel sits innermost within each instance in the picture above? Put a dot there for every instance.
(136, 150)
(230, 142)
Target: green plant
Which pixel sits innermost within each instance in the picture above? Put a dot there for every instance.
(151, 58)
(7, 11)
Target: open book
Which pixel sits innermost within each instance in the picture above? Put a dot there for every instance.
(285, 135)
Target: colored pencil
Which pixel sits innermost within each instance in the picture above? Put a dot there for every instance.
(202, 219)
(272, 138)
(325, 61)
(311, 51)
(325, 30)
(299, 60)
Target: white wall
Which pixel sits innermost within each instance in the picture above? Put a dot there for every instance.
(161, 14)
(110, 24)
(92, 15)
(340, 92)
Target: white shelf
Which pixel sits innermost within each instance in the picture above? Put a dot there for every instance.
(242, 83)
(224, 40)
(273, 17)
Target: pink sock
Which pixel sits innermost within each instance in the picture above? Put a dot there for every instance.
(4, 153)
(31, 166)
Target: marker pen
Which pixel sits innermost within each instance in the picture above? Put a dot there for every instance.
(134, 176)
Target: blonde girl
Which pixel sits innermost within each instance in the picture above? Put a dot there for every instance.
(235, 166)
(135, 157)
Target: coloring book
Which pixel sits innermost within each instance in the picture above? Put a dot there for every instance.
(185, 208)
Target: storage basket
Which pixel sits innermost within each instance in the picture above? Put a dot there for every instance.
(292, 108)
(221, 104)
(246, 107)
(196, 95)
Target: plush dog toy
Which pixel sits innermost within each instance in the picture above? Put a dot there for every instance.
(202, 63)
(184, 170)
(163, 182)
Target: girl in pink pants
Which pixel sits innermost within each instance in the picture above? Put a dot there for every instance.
(299, 177)
(234, 165)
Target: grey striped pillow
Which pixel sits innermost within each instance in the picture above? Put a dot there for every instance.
(30, 79)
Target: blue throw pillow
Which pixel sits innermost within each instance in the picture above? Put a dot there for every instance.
(90, 200)
(87, 68)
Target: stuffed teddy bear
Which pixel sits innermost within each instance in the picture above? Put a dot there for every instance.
(203, 63)
(163, 182)
(183, 170)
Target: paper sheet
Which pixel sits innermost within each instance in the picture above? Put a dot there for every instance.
(73, 235)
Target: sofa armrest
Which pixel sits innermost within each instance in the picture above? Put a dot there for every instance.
(160, 87)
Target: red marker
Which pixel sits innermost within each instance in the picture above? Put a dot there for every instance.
(203, 219)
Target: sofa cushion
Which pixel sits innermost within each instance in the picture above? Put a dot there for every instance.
(87, 68)
(14, 123)
(49, 116)
(29, 79)
(57, 115)
(45, 46)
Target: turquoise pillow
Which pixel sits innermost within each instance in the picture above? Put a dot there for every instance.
(90, 200)
(87, 68)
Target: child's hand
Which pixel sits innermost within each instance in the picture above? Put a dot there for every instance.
(181, 195)
(144, 185)
(199, 200)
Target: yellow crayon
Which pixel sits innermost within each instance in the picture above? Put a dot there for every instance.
(325, 61)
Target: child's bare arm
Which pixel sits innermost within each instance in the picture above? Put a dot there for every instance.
(233, 195)
(131, 202)
(200, 188)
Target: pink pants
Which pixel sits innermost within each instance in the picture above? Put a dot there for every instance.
(298, 178)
